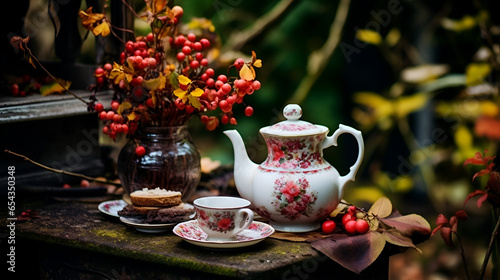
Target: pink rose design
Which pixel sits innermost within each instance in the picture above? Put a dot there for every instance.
(277, 152)
(203, 215)
(292, 188)
(224, 224)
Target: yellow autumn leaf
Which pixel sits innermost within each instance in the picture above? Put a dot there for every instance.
(124, 106)
(154, 84)
(247, 73)
(58, 86)
(408, 104)
(194, 101)
(197, 92)
(183, 80)
(463, 138)
(257, 63)
(89, 18)
(382, 106)
(159, 5)
(476, 73)
(131, 116)
(102, 29)
(180, 93)
(368, 36)
(382, 207)
(201, 23)
(393, 37)
(465, 23)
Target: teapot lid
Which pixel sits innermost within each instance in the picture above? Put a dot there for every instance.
(293, 126)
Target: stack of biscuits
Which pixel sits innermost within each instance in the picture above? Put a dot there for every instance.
(157, 206)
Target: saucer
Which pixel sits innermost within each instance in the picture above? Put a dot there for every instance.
(192, 233)
(142, 226)
(112, 207)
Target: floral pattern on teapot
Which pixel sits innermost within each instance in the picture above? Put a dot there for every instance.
(218, 222)
(292, 199)
(294, 153)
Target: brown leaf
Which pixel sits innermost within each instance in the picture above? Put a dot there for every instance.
(395, 237)
(354, 252)
(409, 224)
(381, 208)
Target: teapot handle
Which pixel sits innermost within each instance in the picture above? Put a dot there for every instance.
(332, 140)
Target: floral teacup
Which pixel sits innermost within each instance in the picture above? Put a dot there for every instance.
(223, 217)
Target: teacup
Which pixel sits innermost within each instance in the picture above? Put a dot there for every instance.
(222, 217)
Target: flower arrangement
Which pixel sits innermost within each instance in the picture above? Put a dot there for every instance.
(164, 78)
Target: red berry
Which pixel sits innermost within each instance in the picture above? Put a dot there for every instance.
(226, 88)
(150, 38)
(328, 226)
(223, 105)
(66, 186)
(256, 85)
(204, 118)
(103, 115)
(137, 81)
(194, 64)
(152, 62)
(108, 66)
(210, 82)
(99, 107)
(205, 43)
(140, 151)
(99, 71)
(351, 210)
(84, 183)
(204, 62)
(177, 11)
(238, 63)
(181, 56)
(222, 78)
(204, 77)
(179, 104)
(110, 115)
(14, 89)
(198, 56)
(149, 102)
(350, 227)
(346, 218)
(233, 121)
(197, 46)
(180, 40)
(219, 84)
(210, 72)
(191, 37)
(186, 50)
(115, 105)
(224, 119)
(99, 80)
(362, 226)
(248, 111)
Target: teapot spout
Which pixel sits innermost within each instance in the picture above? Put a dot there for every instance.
(244, 168)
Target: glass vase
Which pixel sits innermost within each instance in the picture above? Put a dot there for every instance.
(171, 161)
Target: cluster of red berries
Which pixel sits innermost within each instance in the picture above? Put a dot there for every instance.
(114, 122)
(27, 85)
(353, 221)
(169, 87)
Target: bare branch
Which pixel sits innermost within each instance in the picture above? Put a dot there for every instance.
(319, 59)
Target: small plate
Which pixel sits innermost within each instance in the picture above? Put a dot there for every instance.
(192, 233)
(141, 226)
(112, 207)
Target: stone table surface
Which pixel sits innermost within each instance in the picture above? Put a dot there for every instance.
(102, 245)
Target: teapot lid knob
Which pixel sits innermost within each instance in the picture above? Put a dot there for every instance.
(292, 112)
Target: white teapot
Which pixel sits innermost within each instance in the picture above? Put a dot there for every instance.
(294, 188)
